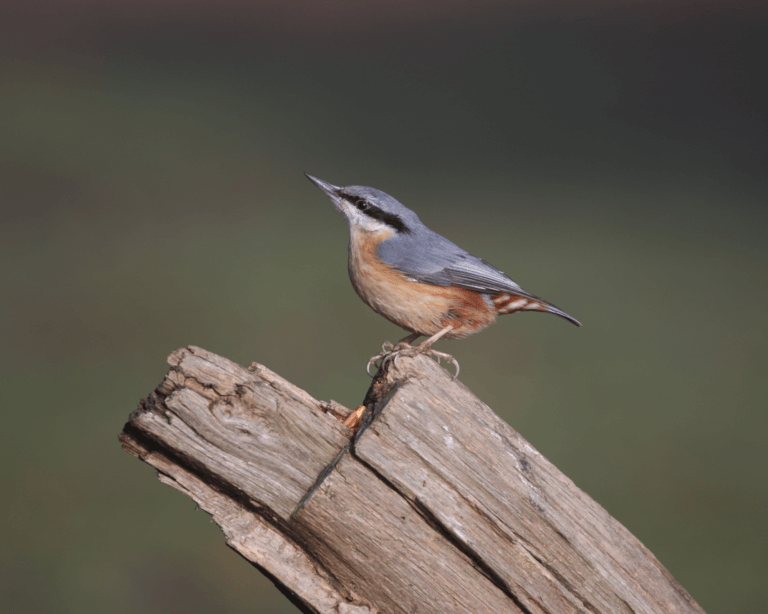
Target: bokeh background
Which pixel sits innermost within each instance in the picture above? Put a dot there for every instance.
(611, 157)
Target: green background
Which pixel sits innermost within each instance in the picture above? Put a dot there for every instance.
(611, 160)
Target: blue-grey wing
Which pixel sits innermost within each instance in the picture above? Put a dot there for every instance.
(431, 258)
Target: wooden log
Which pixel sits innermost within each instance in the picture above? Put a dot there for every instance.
(434, 505)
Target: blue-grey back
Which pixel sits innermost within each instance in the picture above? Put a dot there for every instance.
(429, 257)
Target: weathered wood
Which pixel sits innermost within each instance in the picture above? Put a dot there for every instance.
(253, 432)
(434, 505)
(541, 536)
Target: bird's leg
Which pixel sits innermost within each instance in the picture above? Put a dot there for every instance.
(425, 347)
(405, 342)
(427, 344)
(404, 348)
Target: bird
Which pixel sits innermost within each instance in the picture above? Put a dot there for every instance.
(418, 279)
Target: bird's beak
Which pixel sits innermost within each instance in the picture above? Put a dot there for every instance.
(334, 193)
(331, 190)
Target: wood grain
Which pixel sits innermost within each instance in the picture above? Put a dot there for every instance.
(434, 505)
(251, 432)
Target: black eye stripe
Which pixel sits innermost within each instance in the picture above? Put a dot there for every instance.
(391, 219)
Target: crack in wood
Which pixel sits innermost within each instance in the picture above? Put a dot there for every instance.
(149, 445)
(321, 478)
(374, 405)
(630, 609)
(434, 522)
(378, 533)
(562, 580)
(144, 446)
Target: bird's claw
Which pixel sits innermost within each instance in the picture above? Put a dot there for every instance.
(372, 360)
(387, 350)
(405, 349)
(447, 358)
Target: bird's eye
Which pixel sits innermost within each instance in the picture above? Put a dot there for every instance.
(362, 205)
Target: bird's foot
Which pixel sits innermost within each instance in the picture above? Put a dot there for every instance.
(426, 350)
(403, 348)
(381, 355)
(386, 349)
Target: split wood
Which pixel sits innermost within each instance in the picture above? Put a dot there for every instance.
(434, 504)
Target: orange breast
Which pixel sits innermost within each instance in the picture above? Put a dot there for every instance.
(415, 306)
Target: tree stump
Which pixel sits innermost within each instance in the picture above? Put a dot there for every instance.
(433, 505)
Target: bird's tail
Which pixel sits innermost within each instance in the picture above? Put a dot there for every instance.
(509, 303)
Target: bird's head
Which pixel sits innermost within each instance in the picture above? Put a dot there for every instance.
(369, 209)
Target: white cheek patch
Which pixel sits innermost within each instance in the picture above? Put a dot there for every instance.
(372, 225)
(362, 221)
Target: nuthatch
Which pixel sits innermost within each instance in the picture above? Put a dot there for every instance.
(418, 279)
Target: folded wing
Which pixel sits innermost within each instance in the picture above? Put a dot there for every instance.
(430, 258)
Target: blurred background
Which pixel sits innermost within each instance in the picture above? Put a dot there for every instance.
(610, 157)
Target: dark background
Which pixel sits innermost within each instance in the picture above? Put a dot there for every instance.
(610, 159)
